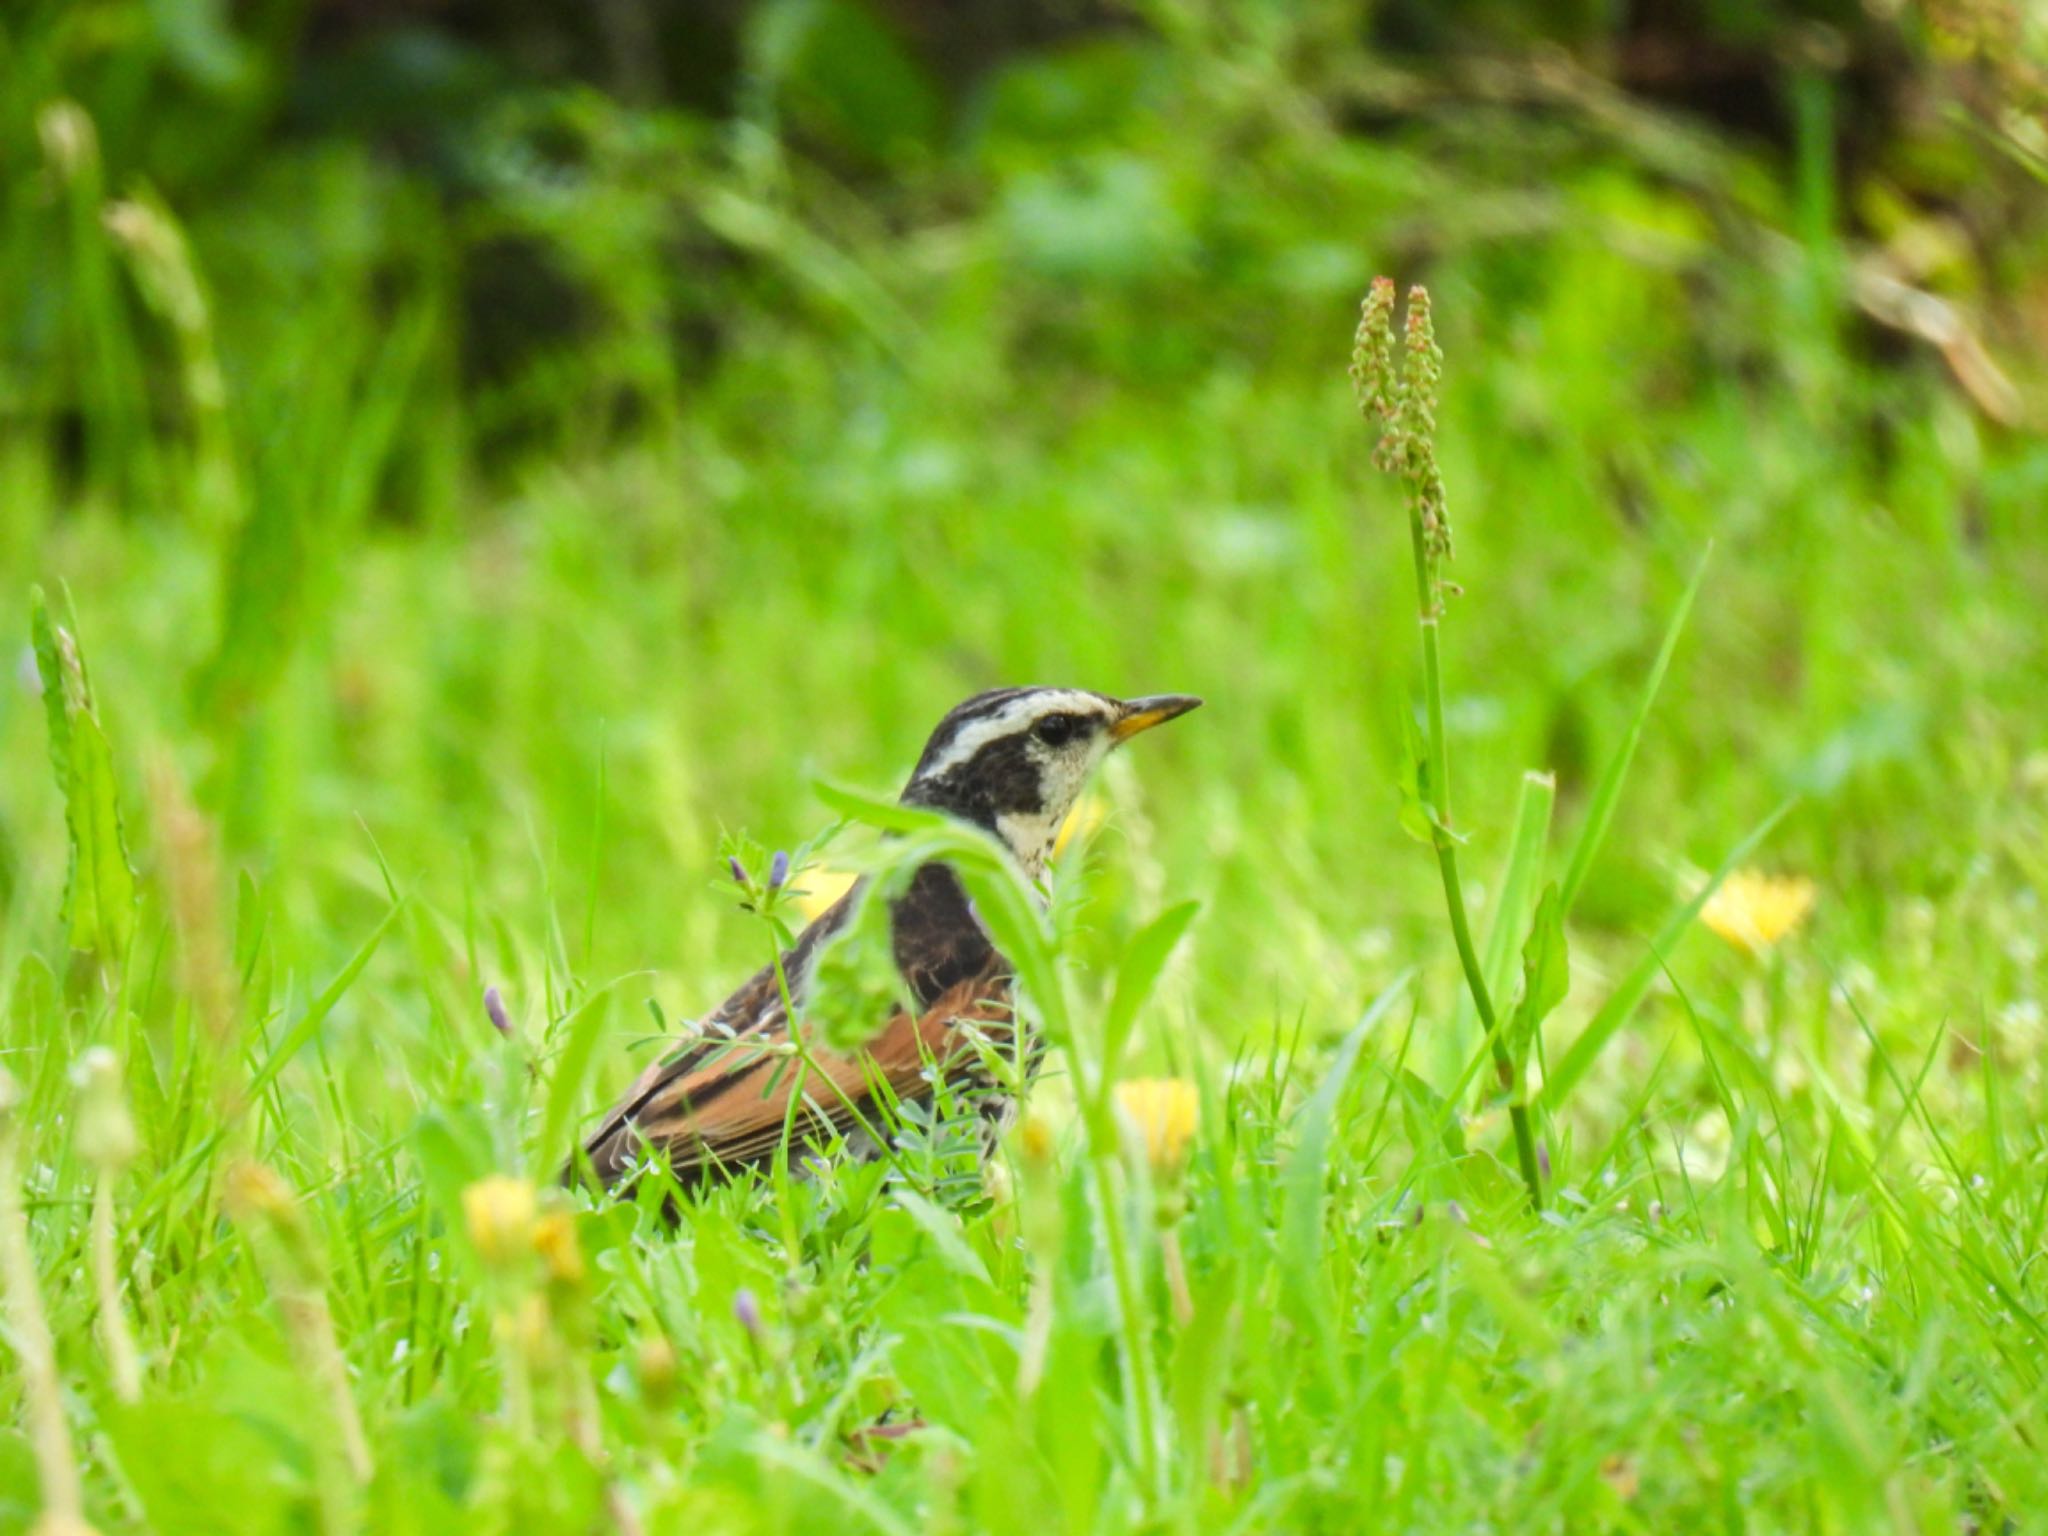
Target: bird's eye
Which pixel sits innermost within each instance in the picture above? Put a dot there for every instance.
(1056, 730)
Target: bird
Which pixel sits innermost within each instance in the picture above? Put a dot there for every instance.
(1011, 761)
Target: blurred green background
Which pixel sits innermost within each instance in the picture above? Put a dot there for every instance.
(495, 447)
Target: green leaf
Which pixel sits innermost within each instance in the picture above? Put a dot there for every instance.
(1144, 960)
(1431, 1116)
(1615, 1012)
(1200, 1372)
(943, 1228)
(1301, 1212)
(1517, 889)
(316, 1013)
(872, 811)
(1546, 973)
(838, 68)
(1418, 818)
(43, 636)
(854, 979)
(99, 896)
(103, 889)
(572, 1068)
(855, 1506)
(1007, 905)
(1600, 813)
(1525, 868)
(453, 1149)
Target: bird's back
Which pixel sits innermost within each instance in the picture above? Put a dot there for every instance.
(721, 1101)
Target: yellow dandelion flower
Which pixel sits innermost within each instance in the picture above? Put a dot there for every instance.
(502, 1213)
(1163, 1111)
(816, 889)
(554, 1239)
(1088, 814)
(1035, 1141)
(1753, 910)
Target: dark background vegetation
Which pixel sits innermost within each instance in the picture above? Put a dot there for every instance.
(511, 164)
(489, 451)
(601, 418)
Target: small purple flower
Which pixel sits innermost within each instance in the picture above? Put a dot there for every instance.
(739, 870)
(747, 1308)
(1543, 1161)
(494, 1010)
(778, 871)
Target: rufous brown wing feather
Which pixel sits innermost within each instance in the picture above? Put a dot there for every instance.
(1011, 762)
(722, 1105)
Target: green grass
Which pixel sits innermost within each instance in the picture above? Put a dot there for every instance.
(413, 685)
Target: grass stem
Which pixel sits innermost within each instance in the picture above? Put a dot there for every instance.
(49, 1434)
(123, 1364)
(1403, 401)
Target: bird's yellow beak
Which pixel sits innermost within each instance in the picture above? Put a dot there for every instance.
(1143, 714)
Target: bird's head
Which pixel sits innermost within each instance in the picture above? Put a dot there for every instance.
(1014, 760)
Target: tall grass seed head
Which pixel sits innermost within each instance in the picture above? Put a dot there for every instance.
(254, 1191)
(268, 1209)
(1373, 355)
(106, 1131)
(69, 140)
(1421, 378)
(163, 263)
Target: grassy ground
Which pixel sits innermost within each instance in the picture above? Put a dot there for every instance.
(393, 716)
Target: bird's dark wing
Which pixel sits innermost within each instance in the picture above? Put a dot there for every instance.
(721, 1100)
(723, 1104)
(754, 1011)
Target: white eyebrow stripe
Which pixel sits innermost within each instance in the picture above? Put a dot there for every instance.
(977, 734)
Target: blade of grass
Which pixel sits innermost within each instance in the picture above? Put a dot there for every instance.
(1144, 960)
(317, 1011)
(1625, 998)
(1301, 1213)
(1600, 813)
(1518, 885)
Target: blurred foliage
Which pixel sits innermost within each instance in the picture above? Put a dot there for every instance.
(757, 317)
(489, 197)
(492, 447)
